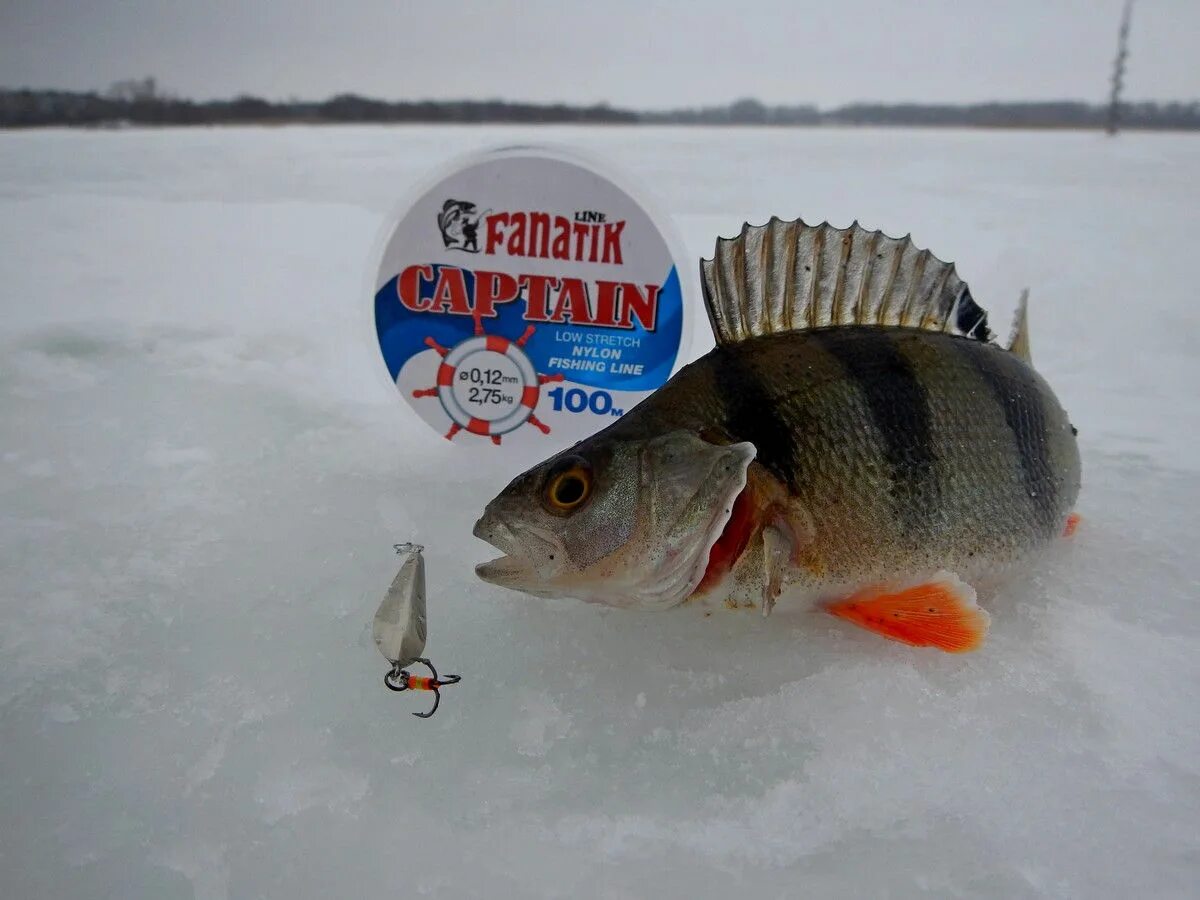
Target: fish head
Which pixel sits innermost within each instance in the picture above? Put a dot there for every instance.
(621, 522)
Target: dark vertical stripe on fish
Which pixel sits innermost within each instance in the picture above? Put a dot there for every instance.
(972, 319)
(899, 408)
(1021, 401)
(752, 415)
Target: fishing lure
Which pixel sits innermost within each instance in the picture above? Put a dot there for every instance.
(400, 629)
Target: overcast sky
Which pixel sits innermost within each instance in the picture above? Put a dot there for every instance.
(634, 54)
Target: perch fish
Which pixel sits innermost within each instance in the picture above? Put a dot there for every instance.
(857, 439)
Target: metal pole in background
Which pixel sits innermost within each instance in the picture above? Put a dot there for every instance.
(1118, 76)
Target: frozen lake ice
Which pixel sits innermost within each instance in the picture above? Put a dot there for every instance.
(202, 474)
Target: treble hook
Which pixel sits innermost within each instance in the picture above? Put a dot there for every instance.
(398, 679)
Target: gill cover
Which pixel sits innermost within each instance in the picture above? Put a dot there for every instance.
(689, 487)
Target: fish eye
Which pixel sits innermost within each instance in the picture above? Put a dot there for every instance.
(568, 486)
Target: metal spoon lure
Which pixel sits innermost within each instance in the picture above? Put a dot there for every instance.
(399, 629)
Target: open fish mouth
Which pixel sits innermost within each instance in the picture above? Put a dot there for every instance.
(517, 568)
(502, 569)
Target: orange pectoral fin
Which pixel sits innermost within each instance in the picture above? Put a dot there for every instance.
(1072, 525)
(939, 613)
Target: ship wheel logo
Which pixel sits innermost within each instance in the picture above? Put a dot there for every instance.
(487, 384)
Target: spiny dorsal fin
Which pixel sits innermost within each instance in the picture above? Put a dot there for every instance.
(1018, 341)
(790, 276)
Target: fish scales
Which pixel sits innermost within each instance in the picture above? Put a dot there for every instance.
(929, 443)
(899, 409)
(1032, 425)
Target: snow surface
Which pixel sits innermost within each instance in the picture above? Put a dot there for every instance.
(202, 473)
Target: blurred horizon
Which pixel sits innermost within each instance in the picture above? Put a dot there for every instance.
(136, 86)
(142, 102)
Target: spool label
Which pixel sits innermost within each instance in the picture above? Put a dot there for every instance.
(527, 295)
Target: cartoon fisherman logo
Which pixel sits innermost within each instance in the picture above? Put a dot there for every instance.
(459, 223)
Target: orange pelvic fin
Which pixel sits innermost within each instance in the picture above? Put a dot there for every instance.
(939, 613)
(1072, 525)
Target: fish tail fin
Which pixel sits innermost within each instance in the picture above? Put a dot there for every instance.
(1072, 525)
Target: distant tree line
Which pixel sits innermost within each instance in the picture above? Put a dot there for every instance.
(740, 112)
(1057, 114)
(139, 102)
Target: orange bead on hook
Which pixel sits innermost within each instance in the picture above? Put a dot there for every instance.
(400, 680)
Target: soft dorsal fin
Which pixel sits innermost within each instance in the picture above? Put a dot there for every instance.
(790, 276)
(1018, 341)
